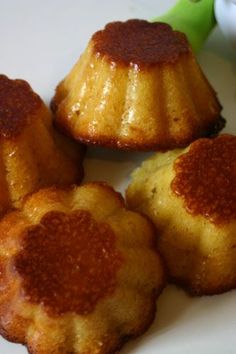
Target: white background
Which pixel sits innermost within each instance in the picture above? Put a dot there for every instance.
(39, 42)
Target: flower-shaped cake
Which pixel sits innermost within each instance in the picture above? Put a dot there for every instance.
(137, 86)
(33, 154)
(79, 272)
(190, 195)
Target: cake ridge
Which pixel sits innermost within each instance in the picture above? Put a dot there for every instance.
(33, 153)
(189, 194)
(54, 214)
(136, 124)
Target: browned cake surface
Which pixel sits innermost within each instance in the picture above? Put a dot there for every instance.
(140, 42)
(68, 262)
(33, 154)
(80, 272)
(190, 195)
(206, 178)
(18, 103)
(137, 86)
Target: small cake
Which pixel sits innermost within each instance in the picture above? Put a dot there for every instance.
(137, 86)
(190, 195)
(33, 154)
(80, 273)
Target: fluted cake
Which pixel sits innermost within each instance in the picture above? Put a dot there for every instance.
(190, 195)
(33, 154)
(79, 272)
(137, 86)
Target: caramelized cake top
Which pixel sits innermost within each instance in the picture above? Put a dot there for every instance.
(138, 42)
(17, 103)
(206, 178)
(68, 262)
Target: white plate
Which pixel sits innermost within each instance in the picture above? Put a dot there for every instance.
(39, 42)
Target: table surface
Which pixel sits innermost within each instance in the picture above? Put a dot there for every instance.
(40, 41)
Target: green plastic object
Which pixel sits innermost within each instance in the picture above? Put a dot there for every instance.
(195, 18)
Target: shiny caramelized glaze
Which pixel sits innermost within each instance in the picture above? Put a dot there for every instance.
(68, 262)
(17, 103)
(206, 178)
(140, 42)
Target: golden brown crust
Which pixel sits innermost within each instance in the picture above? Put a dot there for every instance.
(154, 99)
(18, 105)
(205, 178)
(33, 153)
(43, 265)
(57, 192)
(198, 246)
(139, 42)
(57, 230)
(159, 143)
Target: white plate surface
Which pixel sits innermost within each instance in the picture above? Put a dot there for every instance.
(39, 42)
